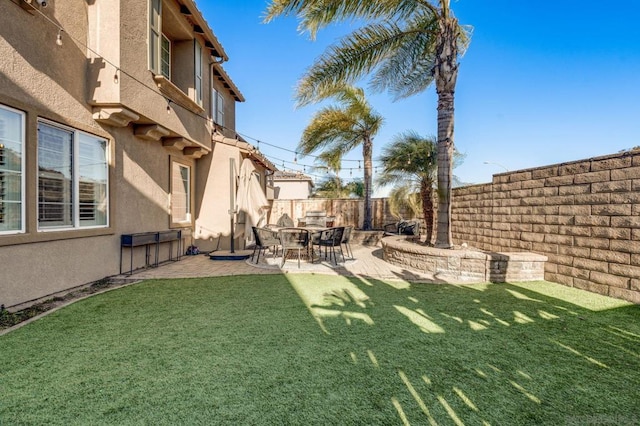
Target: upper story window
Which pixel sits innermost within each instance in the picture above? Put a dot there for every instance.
(165, 58)
(12, 137)
(217, 107)
(198, 71)
(72, 178)
(155, 34)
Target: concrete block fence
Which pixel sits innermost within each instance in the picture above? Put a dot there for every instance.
(583, 215)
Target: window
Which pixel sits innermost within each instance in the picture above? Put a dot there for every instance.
(72, 178)
(12, 137)
(165, 58)
(217, 107)
(198, 72)
(180, 193)
(155, 35)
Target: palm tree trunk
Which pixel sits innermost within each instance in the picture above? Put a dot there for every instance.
(368, 166)
(426, 193)
(446, 73)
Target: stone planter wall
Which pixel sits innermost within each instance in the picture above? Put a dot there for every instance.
(584, 216)
(464, 265)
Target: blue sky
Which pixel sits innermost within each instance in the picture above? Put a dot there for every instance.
(543, 82)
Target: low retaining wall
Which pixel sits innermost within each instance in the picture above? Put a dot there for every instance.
(464, 265)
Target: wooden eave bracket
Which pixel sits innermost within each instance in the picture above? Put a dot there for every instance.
(114, 116)
(151, 132)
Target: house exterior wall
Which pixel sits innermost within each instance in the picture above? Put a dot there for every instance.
(292, 189)
(74, 87)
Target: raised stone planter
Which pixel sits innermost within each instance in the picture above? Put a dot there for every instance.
(464, 265)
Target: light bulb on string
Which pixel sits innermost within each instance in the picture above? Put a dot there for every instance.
(115, 77)
(295, 158)
(168, 106)
(359, 165)
(350, 172)
(59, 38)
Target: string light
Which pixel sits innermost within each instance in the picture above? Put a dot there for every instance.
(295, 158)
(116, 80)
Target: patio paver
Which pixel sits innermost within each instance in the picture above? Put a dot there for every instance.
(368, 263)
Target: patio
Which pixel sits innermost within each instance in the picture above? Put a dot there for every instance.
(368, 263)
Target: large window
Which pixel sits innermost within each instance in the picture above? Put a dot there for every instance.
(11, 170)
(180, 193)
(217, 107)
(72, 178)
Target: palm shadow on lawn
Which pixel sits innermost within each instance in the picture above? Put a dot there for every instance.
(316, 349)
(495, 353)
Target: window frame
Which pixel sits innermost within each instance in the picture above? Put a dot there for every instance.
(189, 194)
(217, 107)
(23, 186)
(162, 59)
(76, 222)
(155, 36)
(197, 66)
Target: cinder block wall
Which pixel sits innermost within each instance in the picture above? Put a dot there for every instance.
(583, 215)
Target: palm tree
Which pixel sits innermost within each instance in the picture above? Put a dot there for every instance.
(337, 129)
(410, 162)
(407, 44)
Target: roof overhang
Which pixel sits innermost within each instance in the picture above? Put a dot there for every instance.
(245, 148)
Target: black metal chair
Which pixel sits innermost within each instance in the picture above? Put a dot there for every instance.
(265, 239)
(330, 239)
(294, 239)
(410, 228)
(346, 240)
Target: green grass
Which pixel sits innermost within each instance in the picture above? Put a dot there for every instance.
(309, 349)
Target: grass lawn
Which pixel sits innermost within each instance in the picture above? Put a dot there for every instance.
(324, 350)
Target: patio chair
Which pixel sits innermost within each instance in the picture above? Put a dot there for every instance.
(403, 227)
(330, 239)
(265, 239)
(346, 240)
(296, 239)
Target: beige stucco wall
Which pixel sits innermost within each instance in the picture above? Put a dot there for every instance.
(64, 84)
(292, 190)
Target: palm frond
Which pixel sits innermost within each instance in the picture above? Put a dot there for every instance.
(354, 56)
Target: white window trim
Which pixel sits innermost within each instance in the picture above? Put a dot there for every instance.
(154, 66)
(162, 39)
(217, 107)
(76, 182)
(189, 195)
(197, 65)
(23, 163)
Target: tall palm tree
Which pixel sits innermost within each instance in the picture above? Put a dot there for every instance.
(407, 45)
(410, 163)
(338, 129)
